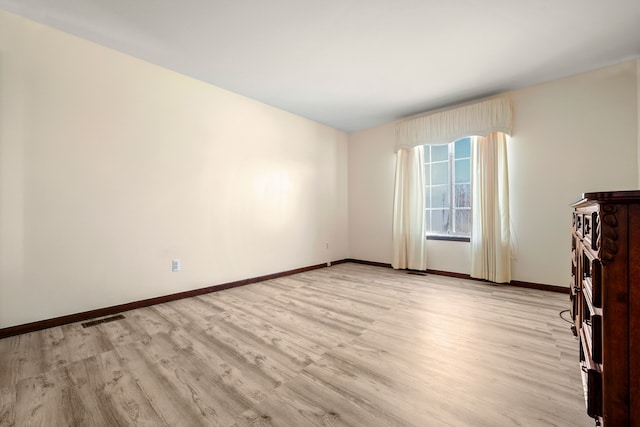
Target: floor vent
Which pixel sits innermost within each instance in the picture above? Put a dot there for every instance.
(417, 273)
(105, 320)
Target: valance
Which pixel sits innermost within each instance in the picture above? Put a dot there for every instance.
(477, 119)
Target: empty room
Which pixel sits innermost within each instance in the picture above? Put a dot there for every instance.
(338, 213)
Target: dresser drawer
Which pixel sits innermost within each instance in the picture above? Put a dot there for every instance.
(592, 277)
(577, 223)
(591, 380)
(590, 229)
(592, 327)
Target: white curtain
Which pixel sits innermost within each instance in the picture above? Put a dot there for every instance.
(409, 232)
(490, 235)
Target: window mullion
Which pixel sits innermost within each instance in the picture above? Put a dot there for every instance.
(451, 190)
(429, 190)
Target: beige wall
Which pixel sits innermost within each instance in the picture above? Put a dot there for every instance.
(570, 136)
(110, 167)
(371, 181)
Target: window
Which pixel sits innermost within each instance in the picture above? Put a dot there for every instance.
(447, 170)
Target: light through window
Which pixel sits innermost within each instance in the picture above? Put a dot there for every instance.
(447, 170)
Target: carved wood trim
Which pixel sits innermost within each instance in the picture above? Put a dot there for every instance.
(607, 233)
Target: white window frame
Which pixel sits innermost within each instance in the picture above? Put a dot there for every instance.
(451, 161)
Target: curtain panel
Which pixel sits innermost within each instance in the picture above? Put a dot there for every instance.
(490, 233)
(409, 231)
(480, 118)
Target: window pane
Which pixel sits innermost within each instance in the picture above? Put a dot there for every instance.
(463, 148)
(462, 198)
(427, 197)
(440, 221)
(439, 173)
(463, 170)
(463, 221)
(440, 196)
(447, 204)
(439, 152)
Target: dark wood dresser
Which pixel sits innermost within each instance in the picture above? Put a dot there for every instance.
(605, 303)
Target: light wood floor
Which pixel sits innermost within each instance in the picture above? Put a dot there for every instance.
(347, 345)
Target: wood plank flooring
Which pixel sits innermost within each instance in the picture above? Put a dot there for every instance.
(349, 345)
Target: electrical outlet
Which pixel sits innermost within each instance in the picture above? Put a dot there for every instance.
(175, 265)
(326, 245)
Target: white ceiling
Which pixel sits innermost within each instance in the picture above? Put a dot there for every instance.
(354, 64)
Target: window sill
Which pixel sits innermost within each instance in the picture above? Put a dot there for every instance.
(448, 238)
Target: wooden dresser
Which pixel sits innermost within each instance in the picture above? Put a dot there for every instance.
(605, 303)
